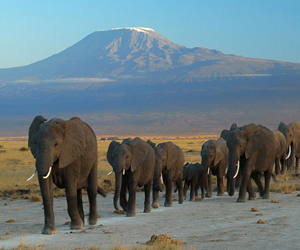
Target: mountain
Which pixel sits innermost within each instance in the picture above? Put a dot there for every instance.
(133, 81)
(142, 53)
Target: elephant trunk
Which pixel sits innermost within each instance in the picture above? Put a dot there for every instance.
(233, 168)
(46, 184)
(157, 180)
(206, 164)
(118, 184)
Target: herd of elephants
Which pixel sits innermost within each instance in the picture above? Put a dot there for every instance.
(66, 155)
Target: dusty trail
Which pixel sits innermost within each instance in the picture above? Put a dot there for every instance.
(215, 223)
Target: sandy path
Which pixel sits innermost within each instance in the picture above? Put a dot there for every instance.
(215, 223)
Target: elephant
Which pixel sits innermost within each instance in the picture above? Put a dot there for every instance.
(133, 162)
(194, 175)
(225, 132)
(169, 160)
(214, 155)
(281, 156)
(291, 133)
(66, 155)
(253, 149)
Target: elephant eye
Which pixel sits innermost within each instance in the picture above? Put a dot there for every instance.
(55, 145)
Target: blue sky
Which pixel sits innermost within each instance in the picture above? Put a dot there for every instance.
(32, 30)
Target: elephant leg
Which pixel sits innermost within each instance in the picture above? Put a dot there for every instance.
(256, 178)
(92, 194)
(202, 185)
(71, 194)
(196, 191)
(268, 174)
(220, 185)
(193, 188)
(80, 205)
(147, 189)
(185, 188)
(155, 197)
(277, 166)
(244, 183)
(297, 163)
(123, 193)
(250, 190)
(132, 185)
(283, 165)
(209, 186)
(168, 198)
(180, 191)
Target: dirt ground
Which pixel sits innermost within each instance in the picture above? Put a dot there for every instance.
(215, 223)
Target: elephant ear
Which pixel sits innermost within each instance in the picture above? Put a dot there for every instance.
(171, 154)
(74, 143)
(233, 126)
(33, 129)
(139, 151)
(281, 126)
(218, 156)
(255, 139)
(109, 154)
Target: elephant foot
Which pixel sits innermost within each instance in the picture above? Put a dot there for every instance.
(155, 205)
(130, 214)
(208, 195)
(192, 199)
(93, 221)
(76, 225)
(148, 210)
(180, 200)
(220, 194)
(168, 204)
(48, 230)
(252, 198)
(266, 196)
(241, 199)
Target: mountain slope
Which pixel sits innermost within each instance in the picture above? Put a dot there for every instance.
(141, 52)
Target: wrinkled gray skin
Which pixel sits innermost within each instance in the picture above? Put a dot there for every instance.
(280, 153)
(214, 154)
(137, 158)
(70, 148)
(255, 147)
(194, 175)
(291, 133)
(169, 160)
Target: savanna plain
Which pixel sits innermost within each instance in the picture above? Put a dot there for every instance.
(213, 223)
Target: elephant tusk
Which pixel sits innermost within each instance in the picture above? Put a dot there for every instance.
(226, 170)
(123, 171)
(49, 172)
(161, 179)
(289, 154)
(237, 171)
(110, 172)
(208, 171)
(31, 176)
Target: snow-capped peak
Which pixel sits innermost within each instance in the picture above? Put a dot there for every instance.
(138, 29)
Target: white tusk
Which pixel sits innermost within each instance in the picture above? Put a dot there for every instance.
(123, 171)
(289, 154)
(208, 171)
(237, 171)
(49, 172)
(110, 172)
(161, 179)
(226, 170)
(31, 176)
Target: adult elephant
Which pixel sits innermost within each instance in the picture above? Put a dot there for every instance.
(194, 175)
(169, 160)
(291, 133)
(253, 149)
(66, 155)
(133, 162)
(281, 155)
(214, 155)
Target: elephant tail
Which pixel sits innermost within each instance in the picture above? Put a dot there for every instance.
(101, 191)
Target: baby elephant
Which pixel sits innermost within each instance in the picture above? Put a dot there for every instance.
(194, 175)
